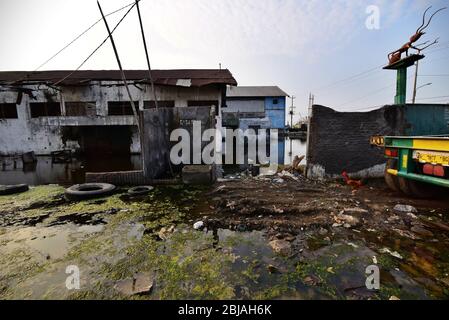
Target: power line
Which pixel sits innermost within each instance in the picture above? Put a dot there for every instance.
(432, 98)
(97, 48)
(79, 36)
(351, 77)
(434, 75)
(370, 94)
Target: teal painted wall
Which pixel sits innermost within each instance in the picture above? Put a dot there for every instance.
(426, 119)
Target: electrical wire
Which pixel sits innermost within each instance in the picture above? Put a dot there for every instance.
(80, 35)
(96, 49)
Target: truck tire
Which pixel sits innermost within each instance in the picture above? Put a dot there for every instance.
(13, 189)
(425, 190)
(391, 180)
(89, 191)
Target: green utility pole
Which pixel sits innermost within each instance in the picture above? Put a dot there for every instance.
(401, 86)
(401, 81)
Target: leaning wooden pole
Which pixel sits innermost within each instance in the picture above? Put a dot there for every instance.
(133, 106)
(150, 76)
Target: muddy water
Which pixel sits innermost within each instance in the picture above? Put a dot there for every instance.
(47, 172)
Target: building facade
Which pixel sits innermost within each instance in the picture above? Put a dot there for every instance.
(90, 111)
(255, 107)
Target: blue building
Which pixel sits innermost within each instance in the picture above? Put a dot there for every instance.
(263, 107)
(256, 108)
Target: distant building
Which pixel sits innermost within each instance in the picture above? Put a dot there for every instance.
(255, 107)
(90, 111)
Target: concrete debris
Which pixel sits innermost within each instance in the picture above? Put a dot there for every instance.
(355, 211)
(165, 232)
(347, 219)
(401, 208)
(422, 231)
(281, 247)
(140, 284)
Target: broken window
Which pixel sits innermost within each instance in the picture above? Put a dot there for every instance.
(45, 109)
(8, 111)
(161, 104)
(121, 108)
(76, 109)
(203, 103)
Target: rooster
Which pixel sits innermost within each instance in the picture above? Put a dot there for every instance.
(355, 184)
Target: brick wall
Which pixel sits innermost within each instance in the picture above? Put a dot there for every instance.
(340, 140)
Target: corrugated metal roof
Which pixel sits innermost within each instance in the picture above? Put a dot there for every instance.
(247, 92)
(198, 77)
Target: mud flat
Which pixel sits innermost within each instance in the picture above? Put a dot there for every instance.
(264, 237)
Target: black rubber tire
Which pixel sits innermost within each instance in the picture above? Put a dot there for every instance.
(13, 189)
(140, 191)
(391, 180)
(89, 191)
(425, 190)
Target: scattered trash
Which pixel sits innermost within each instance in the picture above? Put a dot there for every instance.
(347, 219)
(392, 253)
(198, 225)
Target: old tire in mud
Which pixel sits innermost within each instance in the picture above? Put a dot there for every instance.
(89, 191)
(140, 191)
(13, 189)
(391, 180)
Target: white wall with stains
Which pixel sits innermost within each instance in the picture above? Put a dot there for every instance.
(44, 134)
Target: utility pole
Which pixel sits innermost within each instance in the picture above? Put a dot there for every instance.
(415, 82)
(292, 111)
(136, 117)
(147, 56)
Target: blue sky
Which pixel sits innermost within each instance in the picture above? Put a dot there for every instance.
(301, 46)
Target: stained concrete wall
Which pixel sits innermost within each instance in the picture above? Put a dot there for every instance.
(44, 134)
(341, 140)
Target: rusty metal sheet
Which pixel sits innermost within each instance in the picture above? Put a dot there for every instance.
(197, 77)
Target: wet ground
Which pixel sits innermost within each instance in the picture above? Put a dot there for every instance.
(263, 238)
(45, 171)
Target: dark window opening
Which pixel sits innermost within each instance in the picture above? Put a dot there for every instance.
(255, 128)
(161, 104)
(275, 101)
(8, 111)
(202, 103)
(74, 109)
(45, 109)
(122, 108)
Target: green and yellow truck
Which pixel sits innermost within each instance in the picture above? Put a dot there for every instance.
(418, 165)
